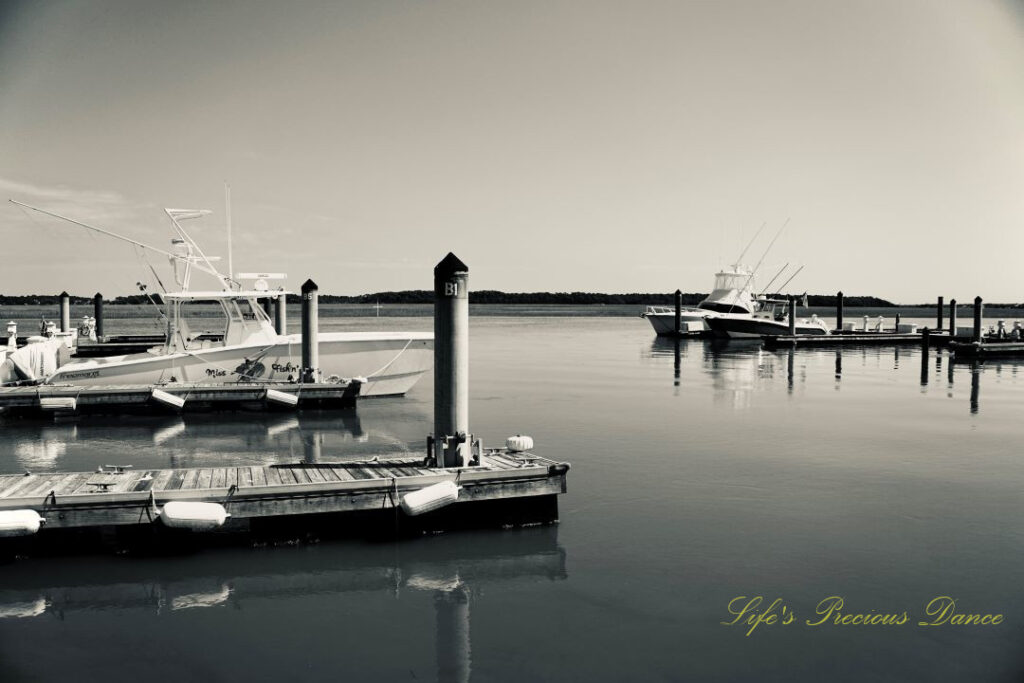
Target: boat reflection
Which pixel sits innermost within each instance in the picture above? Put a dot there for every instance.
(192, 439)
(457, 570)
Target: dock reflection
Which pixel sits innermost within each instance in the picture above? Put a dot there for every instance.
(456, 570)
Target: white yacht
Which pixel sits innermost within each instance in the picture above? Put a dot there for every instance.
(225, 336)
(733, 295)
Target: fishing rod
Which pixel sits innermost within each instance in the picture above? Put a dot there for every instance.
(791, 278)
(775, 278)
(750, 243)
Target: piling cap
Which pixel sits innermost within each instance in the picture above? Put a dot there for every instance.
(449, 265)
(309, 286)
(64, 295)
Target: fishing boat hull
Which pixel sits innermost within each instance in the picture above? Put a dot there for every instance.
(390, 362)
(740, 327)
(663, 320)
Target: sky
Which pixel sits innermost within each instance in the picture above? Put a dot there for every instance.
(552, 145)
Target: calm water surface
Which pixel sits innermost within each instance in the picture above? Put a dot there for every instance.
(700, 473)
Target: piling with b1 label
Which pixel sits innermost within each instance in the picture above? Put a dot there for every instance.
(451, 362)
(310, 329)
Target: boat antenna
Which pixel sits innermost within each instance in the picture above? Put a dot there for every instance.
(227, 212)
(791, 278)
(775, 278)
(108, 233)
(750, 243)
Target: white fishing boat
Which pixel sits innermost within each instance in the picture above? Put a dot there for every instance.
(771, 319)
(732, 294)
(224, 336)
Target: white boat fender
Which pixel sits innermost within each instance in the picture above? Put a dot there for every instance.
(19, 523)
(519, 443)
(167, 398)
(430, 498)
(282, 397)
(180, 514)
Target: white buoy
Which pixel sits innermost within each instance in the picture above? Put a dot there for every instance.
(58, 403)
(168, 399)
(519, 443)
(193, 516)
(19, 523)
(430, 498)
(282, 397)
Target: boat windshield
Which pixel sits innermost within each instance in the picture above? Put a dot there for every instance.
(731, 280)
(200, 324)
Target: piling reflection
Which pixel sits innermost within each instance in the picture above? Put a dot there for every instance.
(455, 570)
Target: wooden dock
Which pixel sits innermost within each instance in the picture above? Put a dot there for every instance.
(127, 502)
(66, 399)
(855, 339)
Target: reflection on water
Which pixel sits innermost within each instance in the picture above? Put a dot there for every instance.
(453, 573)
(738, 369)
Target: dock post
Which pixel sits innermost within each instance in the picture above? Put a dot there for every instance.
(451, 362)
(978, 309)
(281, 314)
(97, 312)
(792, 316)
(310, 329)
(65, 312)
(679, 312)
(952, 319)
(268, 308)
(938, 315)
(12, 336)
(896, 329)
(925, 334)
(839, 312)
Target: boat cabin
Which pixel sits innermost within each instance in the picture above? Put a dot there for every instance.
(202, 320)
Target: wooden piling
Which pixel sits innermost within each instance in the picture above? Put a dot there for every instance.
(679, 311)
(978, 310)
(281, 313)
(310, 330)
(97, 312)
(925, 340)
(896, 328)
(451, 360)
(938, 314)
(792, 316)
(65, 312)
(952, 318)
(839, 312)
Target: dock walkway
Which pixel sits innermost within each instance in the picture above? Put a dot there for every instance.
(115, 496)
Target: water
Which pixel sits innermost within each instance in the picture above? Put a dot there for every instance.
(724, 471)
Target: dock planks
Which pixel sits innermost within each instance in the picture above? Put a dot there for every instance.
(83, 499)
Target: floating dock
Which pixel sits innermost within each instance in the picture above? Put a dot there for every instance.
(854, 339)
(116, 505)
(50, 399)
(968, 351)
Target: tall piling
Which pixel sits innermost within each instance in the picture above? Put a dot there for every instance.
(65, 312)
(310, 329)
(925, 334)
(952, 319)
(896, 327)
(979, 308)
(281, 313)
(839, 312)
(451, 362)
(97, 312)
(679, 311)
(792, 316)
(939, 310)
